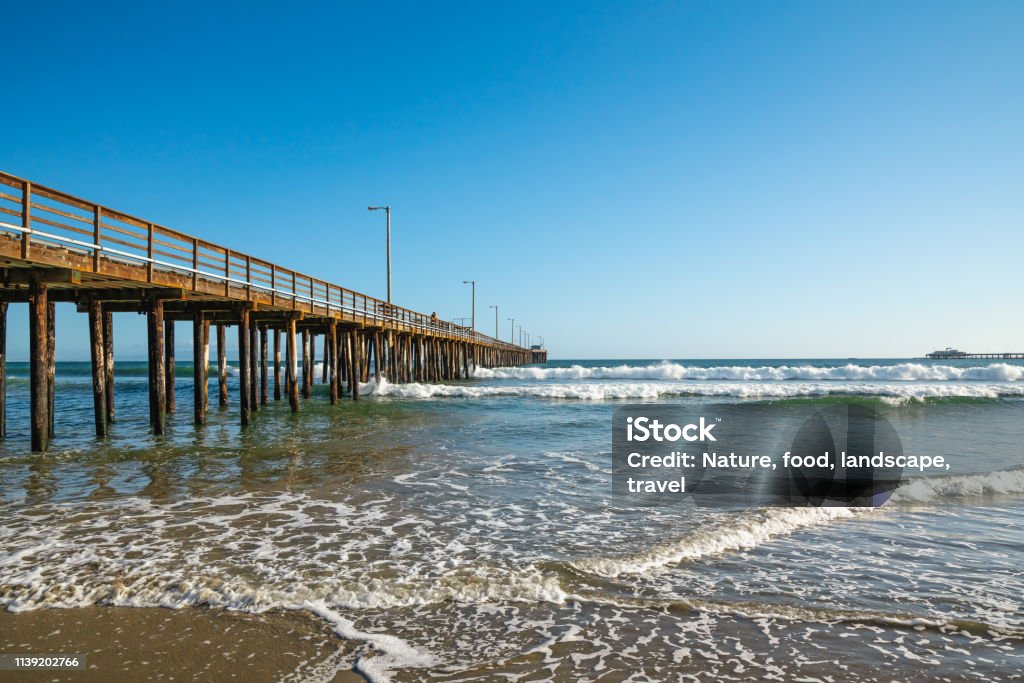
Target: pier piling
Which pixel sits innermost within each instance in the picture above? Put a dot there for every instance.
(244, 375)
(51, 362)
(38, 400)
(356, 371)
(169, 364)
(305, 364)
(108, 357)
(157, 372)
(254, 403)
(343, 354)
(222, 365)
(3, 369)
(263, 365)
(200, 354)
(277, 364)
(293, 366)
(326, 369)
(331, 354)
(99, 366)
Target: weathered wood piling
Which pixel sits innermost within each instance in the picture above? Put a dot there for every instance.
(263, 366)
(244, 368)
(39, 405)
(293, 366)
(3, 368)
(108, 357)
(222, 365)
(51, 363)
(200, 365)
(277, 364)
(157, 373)
(169, 364)
(99, 366)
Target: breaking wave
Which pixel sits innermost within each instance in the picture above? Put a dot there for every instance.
(756, 528)
(666, 370)
(600, 391)
(930, 489)
(733, 534)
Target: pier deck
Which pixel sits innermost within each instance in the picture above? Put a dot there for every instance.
(55, 247)
(958, 355)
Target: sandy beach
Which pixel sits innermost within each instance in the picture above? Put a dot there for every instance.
(155, 644)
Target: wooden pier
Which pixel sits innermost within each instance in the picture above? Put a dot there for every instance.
(55, 247)
(953, 354)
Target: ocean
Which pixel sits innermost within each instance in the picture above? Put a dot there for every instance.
(467, 531)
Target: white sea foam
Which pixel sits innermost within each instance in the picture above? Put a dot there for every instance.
(395, 653)
(200, 552)
(599, 391)
(256, 552)
(929, 489)
(749, 530)
(665, 370)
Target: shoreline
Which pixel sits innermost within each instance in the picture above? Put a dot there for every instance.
(210, 644)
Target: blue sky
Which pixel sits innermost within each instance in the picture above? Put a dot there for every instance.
(627, 180)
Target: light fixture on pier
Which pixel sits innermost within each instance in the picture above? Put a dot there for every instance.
(473, 317)
(387, 210)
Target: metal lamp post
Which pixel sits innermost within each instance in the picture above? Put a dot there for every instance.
(387, 210)
(495, 307)
(473, 318)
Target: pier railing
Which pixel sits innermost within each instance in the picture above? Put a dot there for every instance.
(37, 213)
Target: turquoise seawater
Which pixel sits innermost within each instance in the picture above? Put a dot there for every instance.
(467, 531)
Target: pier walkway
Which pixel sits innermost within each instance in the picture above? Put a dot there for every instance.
(55, 247)
(953, 354)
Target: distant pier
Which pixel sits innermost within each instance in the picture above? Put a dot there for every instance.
(954, 354)
(55, 247)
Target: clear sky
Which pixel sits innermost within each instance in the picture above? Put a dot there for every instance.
(632, 180)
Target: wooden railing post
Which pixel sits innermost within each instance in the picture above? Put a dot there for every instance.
(227, 272)
(149, 252)
(97, 235)
(248, 278)
(26, 218)
(195, 264)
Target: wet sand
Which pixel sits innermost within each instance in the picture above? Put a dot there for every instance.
(200, 644)
(154, 644)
